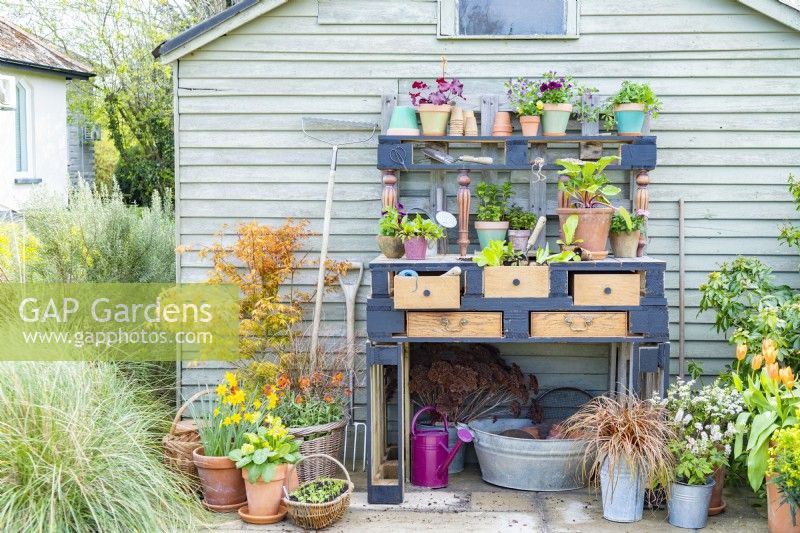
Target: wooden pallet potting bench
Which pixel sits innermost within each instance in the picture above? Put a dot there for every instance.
(620, 302)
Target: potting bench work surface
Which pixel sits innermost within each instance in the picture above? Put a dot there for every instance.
(469, 504)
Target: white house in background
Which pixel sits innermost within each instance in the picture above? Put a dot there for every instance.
(33, 114)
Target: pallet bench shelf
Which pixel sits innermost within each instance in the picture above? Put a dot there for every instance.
(619, 302)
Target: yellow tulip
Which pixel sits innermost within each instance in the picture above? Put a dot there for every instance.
(767, 345)
(787, 377)
(773, 370)
(741, 351)
(770, 356)
(757, 361)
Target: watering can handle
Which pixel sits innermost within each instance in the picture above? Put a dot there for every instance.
(424, 410)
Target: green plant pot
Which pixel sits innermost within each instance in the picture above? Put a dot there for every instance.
(404, 121)
(555, 118)
(490, 231)
(630, 119)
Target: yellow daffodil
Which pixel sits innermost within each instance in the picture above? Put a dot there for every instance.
(216, 411)
(227, 421)
(248, 449)
(230, 378)
(221, 389)
(250, 417)
(236, 418)
(257, 403)
(272, 401)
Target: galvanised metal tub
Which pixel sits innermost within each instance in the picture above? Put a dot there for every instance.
(526, 464)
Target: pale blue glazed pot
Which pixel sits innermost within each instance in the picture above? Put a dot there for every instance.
(630, 118)
(490, 231)
(555, 118)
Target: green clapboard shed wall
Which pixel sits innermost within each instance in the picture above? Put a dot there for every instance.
(727, 73)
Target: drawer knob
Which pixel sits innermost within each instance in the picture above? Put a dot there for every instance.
(607, 290)
(445, 323)
(516, 282)
(578, 323)
(426, 292)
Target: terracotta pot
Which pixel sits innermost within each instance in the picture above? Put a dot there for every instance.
(779, 517)
(593, 227)
(530, 125)
(717, 504)
(502, 124)
(391, 247)
(416, 248)
(223, 486)
(263, 499)
(434, 119)
(519, 238)
(624, 244)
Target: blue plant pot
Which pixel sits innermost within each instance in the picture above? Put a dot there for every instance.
(630, 119)
(490, 231)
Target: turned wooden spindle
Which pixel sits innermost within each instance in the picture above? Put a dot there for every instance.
(389, 196)
(642, 201)
(464, 200)
(562, 199)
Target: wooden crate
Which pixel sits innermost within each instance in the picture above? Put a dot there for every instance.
(427, 292)
(454, 325)
(606, 289)
(577, 324)
(516, 282)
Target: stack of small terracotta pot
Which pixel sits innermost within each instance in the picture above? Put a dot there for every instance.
(457, 122)
(470, 123)
(502, 124)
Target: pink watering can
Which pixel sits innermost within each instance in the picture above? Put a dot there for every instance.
(430, 457)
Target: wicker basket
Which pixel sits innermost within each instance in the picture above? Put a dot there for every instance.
(319, 515)
(182, 439)
(331, 443)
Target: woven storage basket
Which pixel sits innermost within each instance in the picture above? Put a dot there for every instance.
(182, 439)
(319, 515)
(331, 443)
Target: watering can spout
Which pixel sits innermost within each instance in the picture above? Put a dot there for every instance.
(464, 435)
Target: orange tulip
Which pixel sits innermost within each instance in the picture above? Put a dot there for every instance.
(773, 370)
(757, 361)
(767, 345)
(741, 351)
(770, 356)
(787, 377)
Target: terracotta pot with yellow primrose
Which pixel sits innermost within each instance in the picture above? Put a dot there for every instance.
(585, 194)
(523, 95)
(434, 103)
(221, 427)
(264, 458)
(783, 484)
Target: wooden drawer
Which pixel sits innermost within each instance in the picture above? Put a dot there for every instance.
(516, 282)
(606, 289)
(456, 325)
(427, 292)
(571, 324)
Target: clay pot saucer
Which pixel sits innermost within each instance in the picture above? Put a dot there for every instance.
(713, 511)
(224, 508)
(263, 520)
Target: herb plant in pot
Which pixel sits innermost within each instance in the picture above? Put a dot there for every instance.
(416, 233)
(629, 106)
(221, 428)
(520, 225)
(556, 93)
(264, 458)
(523, 95)
(626, 450)
(434, 103)
(389, 241)
(585, 193)
(625, 231)
(491, 222)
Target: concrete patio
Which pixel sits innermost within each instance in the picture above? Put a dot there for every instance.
(469, 504)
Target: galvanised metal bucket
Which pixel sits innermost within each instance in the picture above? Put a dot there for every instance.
(623, 492)
(526, 464)
(688, 505)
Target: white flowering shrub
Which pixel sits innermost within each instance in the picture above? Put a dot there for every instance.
(704, 421)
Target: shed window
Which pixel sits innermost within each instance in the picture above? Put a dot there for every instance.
(508, 19)
(21, 127)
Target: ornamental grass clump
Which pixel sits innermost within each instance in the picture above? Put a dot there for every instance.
(80, 450)
(628, 433)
